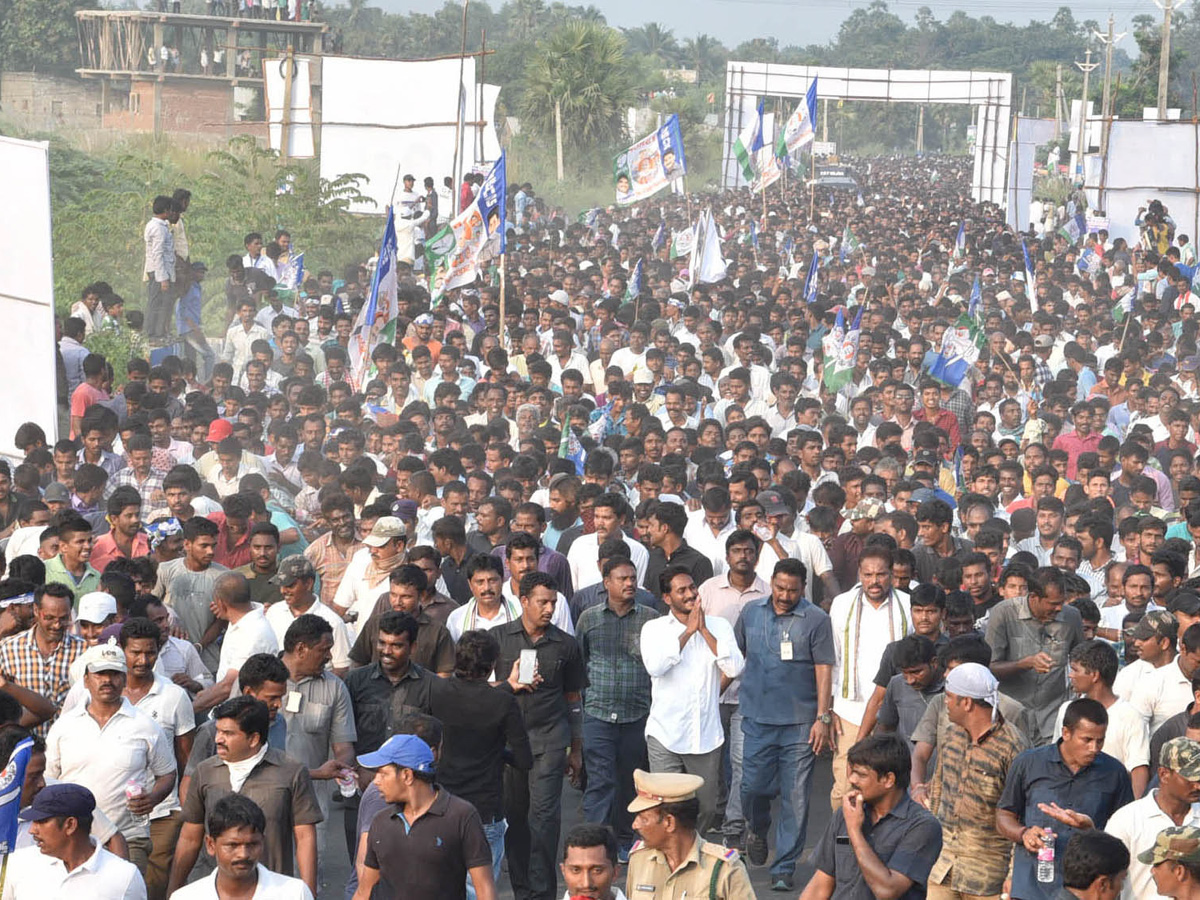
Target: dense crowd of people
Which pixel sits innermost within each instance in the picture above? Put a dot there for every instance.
(607, 526)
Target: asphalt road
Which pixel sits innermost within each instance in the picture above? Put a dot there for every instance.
(336, 867)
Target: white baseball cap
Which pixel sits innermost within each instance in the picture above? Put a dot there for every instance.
(96, 606)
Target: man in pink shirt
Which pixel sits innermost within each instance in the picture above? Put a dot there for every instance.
(125, 537)
(1082, 440)
(90, 392)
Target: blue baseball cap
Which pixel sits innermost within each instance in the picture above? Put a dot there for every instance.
(404, 750)
(60, 800)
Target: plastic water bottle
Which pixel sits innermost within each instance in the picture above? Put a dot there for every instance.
(134, 788)
(347, 783)
(1045, 857)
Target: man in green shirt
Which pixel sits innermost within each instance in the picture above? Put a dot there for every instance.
(71, 567)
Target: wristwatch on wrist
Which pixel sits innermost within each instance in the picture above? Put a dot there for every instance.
(825, 718)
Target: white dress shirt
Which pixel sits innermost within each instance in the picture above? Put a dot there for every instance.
(1137, 824)
(32, 875)
(685, 684)
(250, 634)
(879, 627)
(1161, 694)
(699, 536)
(1129, 676)
(356, 592)
(584, 559)
(179, 656)
(280, 617)
(271, 886)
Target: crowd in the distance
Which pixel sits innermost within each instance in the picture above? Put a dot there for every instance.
(646, 541)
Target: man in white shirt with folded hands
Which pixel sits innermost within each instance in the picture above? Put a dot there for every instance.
(691, 658)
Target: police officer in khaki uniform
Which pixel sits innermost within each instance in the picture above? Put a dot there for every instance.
(671, 861)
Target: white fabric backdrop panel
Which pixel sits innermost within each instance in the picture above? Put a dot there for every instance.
(361, 97)
(1031, 134)
(300, 117)
(1172, 178)
(26, 291)
(392, 92)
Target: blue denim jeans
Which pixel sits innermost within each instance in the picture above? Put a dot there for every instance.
(778, 760)
(495, 838)
(611, 751)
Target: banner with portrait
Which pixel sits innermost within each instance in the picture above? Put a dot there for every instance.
(473, 237)
(651, 164)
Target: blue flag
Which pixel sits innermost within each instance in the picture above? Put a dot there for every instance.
(976, 299)
(960, 242)
(634, 290)
(1030, 282)
(812, 281)
(12, 782)
(660, 237)
(753, 235)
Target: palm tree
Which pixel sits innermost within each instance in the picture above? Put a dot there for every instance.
(705, 53)
(581, 67)
(654, 40)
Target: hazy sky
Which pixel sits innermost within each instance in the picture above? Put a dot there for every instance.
(814, 21)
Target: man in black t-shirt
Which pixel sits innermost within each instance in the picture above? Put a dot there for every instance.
(439, 844)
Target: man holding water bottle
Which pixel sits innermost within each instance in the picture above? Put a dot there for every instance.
(1052, 792)
(115, 750)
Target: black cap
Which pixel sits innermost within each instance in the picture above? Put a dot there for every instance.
(60, 800)
(1186, 603)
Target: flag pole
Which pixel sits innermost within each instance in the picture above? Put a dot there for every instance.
(503, 284)
(395, 184)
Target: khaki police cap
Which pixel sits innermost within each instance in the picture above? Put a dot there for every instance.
(656, 788)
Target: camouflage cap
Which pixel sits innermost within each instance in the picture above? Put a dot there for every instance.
(292, 569)
(1182, 756)
(1176, 844)
(1154, 624)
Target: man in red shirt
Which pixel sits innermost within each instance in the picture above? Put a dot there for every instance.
(931, 411)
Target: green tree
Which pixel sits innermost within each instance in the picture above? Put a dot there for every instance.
(40, 35)
(582, 67)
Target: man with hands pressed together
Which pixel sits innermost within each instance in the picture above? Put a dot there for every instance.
(892, 841)
(552, 706)
(691, 659)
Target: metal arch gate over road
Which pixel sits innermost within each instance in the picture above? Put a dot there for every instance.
(989, 92)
